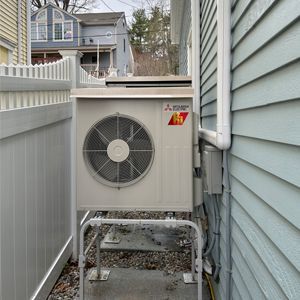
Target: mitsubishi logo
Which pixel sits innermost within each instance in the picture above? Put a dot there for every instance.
(178, 118)
(168, 108)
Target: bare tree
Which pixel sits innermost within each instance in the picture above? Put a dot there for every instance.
(153, 51)
(71, 6)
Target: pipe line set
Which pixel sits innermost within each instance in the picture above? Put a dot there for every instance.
(221, 138)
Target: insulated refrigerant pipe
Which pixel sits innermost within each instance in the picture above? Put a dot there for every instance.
(227, 200)
(173, 223)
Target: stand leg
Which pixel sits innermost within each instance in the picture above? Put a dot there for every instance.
(191, 277)
(81, 284)
(193, 254)
(111, 237)
(98, 240)
(98, 274)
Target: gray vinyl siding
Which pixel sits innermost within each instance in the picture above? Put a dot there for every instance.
(122, 57)
(265, 154)
(208, 59)
(183, 45)
(98, 33)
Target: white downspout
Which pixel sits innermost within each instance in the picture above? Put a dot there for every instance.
(28, 32)
(19, 31)
(197, 181)
(195, 7)
(222, 137)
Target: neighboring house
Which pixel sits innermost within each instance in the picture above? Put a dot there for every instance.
(54, 29)
(264, 157)
(14, 32)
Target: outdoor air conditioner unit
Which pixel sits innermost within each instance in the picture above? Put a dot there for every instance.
(134, 149)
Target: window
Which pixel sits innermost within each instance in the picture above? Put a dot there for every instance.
(41, 16)
(124, 45)
(58, 31)
(62, 30)
(57, 15)
(3, 55)
(6, 51)
(39, 27)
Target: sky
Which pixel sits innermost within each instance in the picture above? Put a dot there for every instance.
(128, 6)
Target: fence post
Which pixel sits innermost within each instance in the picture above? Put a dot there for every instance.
(73, 69)
(74, 65)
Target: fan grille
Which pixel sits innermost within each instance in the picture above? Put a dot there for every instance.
(134, 166)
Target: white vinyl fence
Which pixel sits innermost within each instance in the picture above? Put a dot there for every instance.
(87, 79)
(37, 213)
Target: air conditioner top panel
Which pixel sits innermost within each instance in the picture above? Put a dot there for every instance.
(133, 93)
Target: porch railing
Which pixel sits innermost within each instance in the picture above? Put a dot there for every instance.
(87, 78)
(91, 69)
(44, 60)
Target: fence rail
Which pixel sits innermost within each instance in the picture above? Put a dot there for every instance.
(23, 99)
(59, 70)
(34, 85)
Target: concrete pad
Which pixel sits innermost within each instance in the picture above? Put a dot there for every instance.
(145, 238)
(131, 284)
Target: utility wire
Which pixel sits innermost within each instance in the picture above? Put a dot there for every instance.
(45, 23)
(107, 5)
(100, 35)
(129, 4)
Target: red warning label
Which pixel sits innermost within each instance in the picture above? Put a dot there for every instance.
(178, 118)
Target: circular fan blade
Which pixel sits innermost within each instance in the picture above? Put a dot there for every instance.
(108, 132)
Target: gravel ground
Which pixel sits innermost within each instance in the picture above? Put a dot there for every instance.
(68, 284)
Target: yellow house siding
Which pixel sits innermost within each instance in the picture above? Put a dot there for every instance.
(9, 26)
(9, 19)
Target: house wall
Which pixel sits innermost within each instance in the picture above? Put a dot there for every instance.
(183, 45)
(9, 26)
(98, 33)
(122, 57)
(265, 152)
(208, 60)
(51, 43)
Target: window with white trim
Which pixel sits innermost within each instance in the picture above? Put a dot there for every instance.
(62, 30)
(39, 27)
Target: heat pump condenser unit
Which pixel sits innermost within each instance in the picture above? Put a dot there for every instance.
(134, 149)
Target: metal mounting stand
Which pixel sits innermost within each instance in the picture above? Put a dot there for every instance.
(112, 237)
(189, 278)
(98, 274)
(196, 262)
